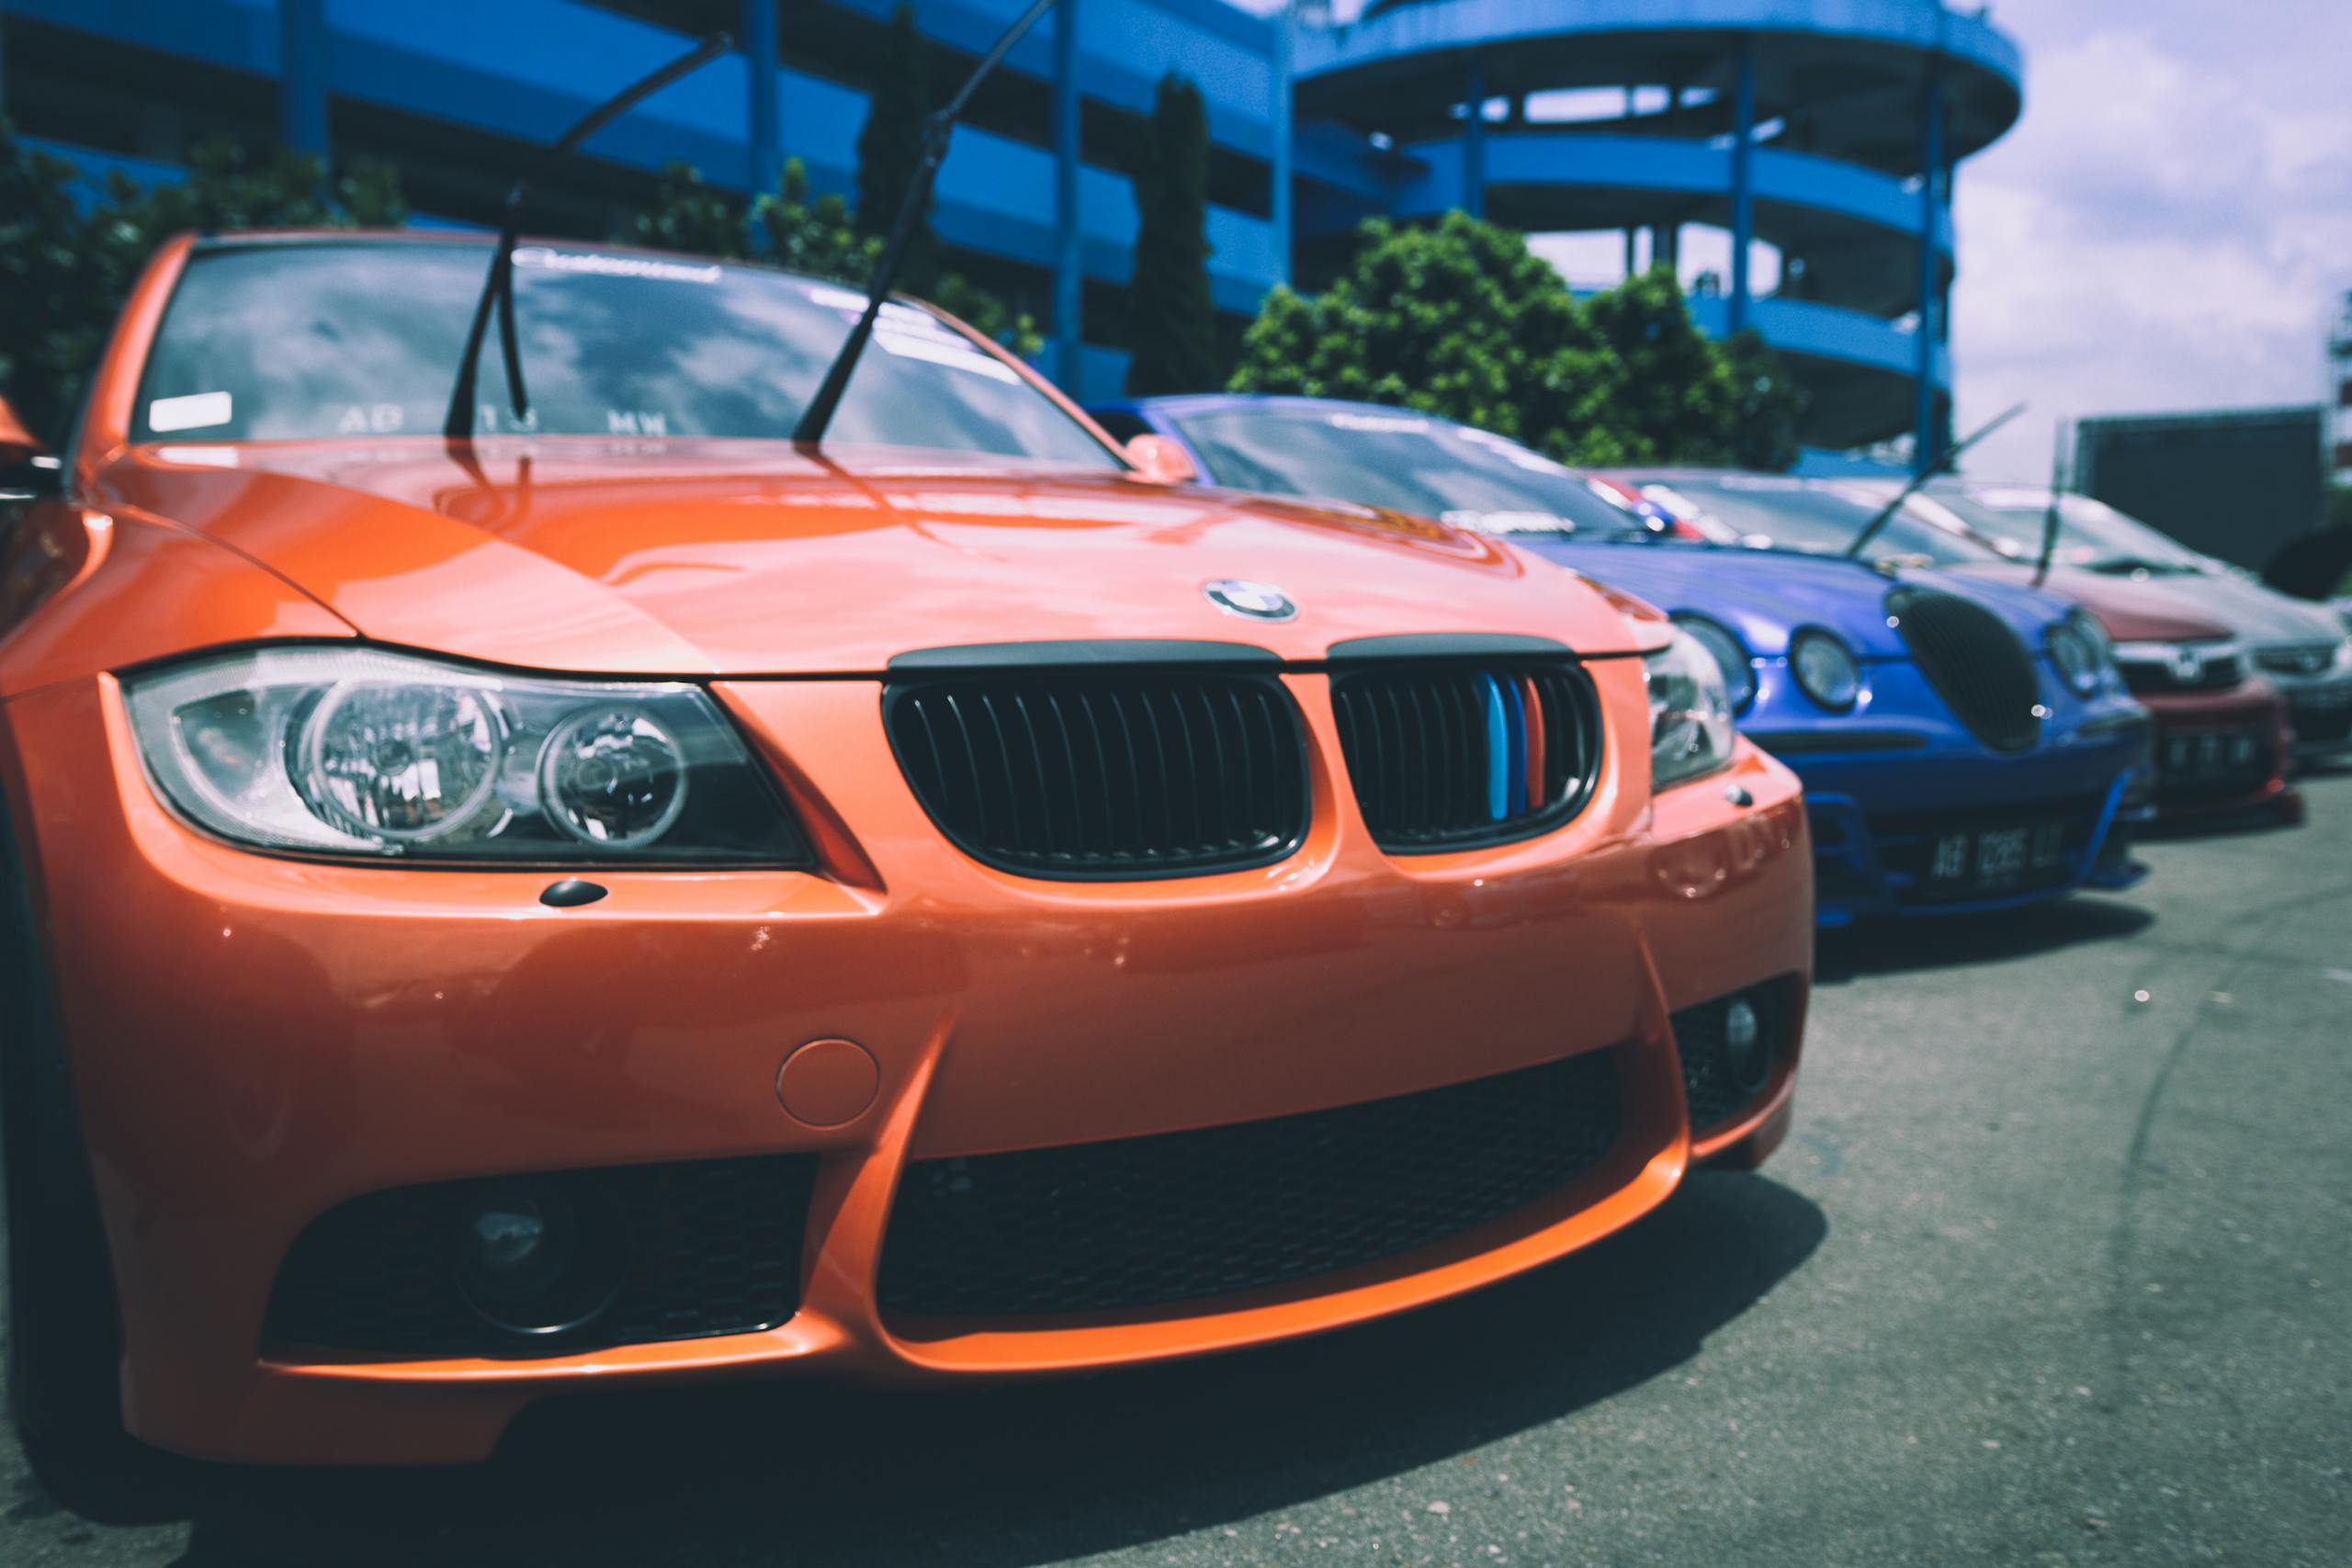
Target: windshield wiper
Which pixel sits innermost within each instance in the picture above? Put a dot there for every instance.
(819, 414)
(1917, 481)
(498, 288)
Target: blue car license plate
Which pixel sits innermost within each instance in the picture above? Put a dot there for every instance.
(1998, 860)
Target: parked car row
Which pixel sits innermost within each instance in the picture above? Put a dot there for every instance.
(1975, 728)
(564, 886)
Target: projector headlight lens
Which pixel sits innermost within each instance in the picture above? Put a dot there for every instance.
(1690, 728)
(360, 754)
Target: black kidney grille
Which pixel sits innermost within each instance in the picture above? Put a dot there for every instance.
(1448, 756)
(1141, 1222)
(1979, 668)
(1135, 774)
(711, 1246)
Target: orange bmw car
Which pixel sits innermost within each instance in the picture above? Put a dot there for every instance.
(615, 893)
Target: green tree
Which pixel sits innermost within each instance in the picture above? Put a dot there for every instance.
(889, 148)
(817, 237)
(1769, 404)
(1458, 319)
(690, 215)
(1677, 400)
(64, 271)
(1172, 332)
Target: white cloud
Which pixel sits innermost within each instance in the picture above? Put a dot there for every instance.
(2167, 228)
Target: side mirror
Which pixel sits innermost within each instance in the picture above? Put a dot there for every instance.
(1160, 461)
(28, 472)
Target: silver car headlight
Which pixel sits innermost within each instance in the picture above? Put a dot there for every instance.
(360, 754)
(1691, 729)
(2079, 647)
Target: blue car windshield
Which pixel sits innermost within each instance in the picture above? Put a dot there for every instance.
(1407, 462)
(359, 338)
(1814, 515)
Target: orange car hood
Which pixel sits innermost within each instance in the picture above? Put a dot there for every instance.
(738, 557)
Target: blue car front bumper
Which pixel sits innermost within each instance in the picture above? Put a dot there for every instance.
(1872, 864)
(1912, 816)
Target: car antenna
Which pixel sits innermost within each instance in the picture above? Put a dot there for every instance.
(819, 414)
(2057, 492)
(499, 285)
(1927, 472)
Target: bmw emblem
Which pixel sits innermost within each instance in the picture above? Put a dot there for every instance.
(1250, 601)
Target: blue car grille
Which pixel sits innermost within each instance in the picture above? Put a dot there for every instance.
(1976, 663)
(1453, 755)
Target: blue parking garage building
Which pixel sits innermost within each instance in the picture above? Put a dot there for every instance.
(1794, 159)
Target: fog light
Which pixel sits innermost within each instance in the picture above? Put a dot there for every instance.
(1748, 1051)
(536, 1258)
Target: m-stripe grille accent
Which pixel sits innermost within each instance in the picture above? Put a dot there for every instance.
(1449, 755)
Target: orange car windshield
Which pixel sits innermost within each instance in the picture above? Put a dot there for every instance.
(310, 340)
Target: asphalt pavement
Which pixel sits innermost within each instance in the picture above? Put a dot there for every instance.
(2056, 1269)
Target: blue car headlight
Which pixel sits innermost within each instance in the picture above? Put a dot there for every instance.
(1730, 656)
(1825, 670)
(2079, 647)
(1691, 730)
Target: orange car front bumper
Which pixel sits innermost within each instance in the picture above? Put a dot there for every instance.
(255, 1040)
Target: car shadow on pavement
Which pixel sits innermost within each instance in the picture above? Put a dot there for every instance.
(1894, 947)
(782, 1473)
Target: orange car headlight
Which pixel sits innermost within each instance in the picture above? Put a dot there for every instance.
(1691, 725)
(355, 753)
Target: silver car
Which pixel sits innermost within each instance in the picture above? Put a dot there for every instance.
(2301, 647)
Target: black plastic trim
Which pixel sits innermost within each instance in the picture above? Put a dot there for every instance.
(1587, 714)
(1417, 646)
(896, 690)
(1089, 653)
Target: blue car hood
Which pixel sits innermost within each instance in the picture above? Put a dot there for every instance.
(1764, 595)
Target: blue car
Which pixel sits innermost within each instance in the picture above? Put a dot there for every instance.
(1966, 744)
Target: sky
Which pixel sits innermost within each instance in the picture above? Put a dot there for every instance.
(2169, 225)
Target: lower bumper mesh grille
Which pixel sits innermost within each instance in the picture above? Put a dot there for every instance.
(1178, 1216)
(1712, 1086)
(710, 1247)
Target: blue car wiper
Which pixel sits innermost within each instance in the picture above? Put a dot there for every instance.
(1927, 471)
